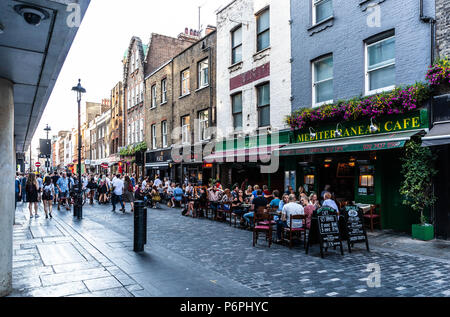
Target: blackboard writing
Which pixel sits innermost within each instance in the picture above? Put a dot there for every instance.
(355, 226)
(326, 221)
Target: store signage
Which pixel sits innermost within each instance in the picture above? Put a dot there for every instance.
(326, 225)
(355, 227)
(352, 129)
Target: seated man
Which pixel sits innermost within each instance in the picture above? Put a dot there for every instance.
(328, 202)
(214, 197)
(258, 201)
(291, 208)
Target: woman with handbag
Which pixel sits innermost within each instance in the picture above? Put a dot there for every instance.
(128, 192)
(32, 189)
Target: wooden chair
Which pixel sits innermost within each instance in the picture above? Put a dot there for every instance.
(259, 220)
(292, 233)
(373, 216)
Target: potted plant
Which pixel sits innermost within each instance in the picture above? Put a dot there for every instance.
(418, 171)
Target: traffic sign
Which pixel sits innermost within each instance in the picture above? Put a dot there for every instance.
(37, 164)
(105, 165)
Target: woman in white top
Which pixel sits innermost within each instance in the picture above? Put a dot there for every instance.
(47, 196)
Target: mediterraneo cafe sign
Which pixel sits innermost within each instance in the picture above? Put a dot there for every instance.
(388, 124)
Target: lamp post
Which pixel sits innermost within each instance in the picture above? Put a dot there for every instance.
(48, 129)
(78, 205)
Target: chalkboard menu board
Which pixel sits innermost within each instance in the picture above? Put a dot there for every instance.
(326, 223)
(355, 227)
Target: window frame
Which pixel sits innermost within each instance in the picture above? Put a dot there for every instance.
(153, 95)
(258, 34)
(188, 132)
(233, 114)
(313, 68)
(200, 72)
(315, 3)
(233, 48)
(182, 80)
(203, 128)
(258, 107)
(164, 91)
(154, 141)
(367, 71)
(164, 138)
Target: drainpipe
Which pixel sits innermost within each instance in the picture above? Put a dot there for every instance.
(432, 22)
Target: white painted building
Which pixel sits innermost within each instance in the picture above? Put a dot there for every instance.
(253, 66)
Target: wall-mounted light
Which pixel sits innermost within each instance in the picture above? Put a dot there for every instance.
(373, 127)
(309, 179)
(327, 165)
(312, 134)
(337, 132)
(351, 164)
(328, 160)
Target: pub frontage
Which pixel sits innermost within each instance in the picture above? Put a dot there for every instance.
(359, 160)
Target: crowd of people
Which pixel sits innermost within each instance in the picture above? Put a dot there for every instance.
(241, 200)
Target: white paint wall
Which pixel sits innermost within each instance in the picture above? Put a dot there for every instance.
(278, 55)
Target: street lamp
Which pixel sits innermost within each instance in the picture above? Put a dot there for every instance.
(48, 129)
(78, 205)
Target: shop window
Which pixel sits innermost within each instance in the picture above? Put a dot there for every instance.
(366, 180)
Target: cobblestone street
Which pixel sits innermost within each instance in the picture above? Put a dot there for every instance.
(200, 257)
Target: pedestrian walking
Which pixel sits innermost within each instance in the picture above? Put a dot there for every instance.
(63, 189)
(128, 193)
(117, 193)
(18, 189)
(32, 188)
(23, 183)
(47, 196)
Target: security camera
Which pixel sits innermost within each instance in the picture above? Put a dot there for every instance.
(31, 15)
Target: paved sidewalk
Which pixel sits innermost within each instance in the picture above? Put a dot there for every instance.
(198, 257)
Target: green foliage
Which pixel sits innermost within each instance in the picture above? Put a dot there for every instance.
(418, 171)
(131, 150)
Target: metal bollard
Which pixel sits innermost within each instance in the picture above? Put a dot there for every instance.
(140, 226)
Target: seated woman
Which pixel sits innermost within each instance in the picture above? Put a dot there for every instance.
(156, 198)
(248, 192)
(237, 206)
(308, 208)
(227, 200)
(328, 202)
(314, 201)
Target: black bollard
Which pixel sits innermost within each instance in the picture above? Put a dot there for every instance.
(140, 226)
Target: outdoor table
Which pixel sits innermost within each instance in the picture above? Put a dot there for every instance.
(365, 207)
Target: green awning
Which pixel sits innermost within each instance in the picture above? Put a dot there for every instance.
(357, 144)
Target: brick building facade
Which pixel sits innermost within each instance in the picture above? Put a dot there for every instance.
(443, 27)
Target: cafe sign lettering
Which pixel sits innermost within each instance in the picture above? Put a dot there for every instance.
(354, 129)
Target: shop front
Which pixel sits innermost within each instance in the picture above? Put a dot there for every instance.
(239, 160)
(359, 161)
(158, 163)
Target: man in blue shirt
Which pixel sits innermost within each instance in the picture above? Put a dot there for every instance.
(177, 195)
(63, 188)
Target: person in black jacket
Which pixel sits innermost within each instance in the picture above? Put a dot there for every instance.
(91, 186)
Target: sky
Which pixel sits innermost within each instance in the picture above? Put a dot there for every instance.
(99, 46)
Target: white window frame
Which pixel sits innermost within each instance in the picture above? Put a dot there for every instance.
(314, 14)
(366, 68)
(314, 103)
(153, 97)
(153, 136)
(187, 80)
(203, 126)
(164, 91)
(237, 46)
(142, 130)
(201, 73)
(185, 131)
(164, 134)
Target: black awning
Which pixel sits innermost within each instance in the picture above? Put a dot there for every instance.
(438, 135)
